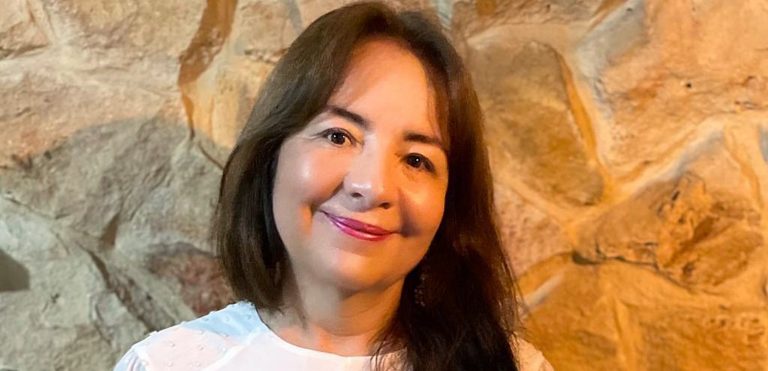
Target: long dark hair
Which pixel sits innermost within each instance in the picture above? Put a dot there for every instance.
(458, 307)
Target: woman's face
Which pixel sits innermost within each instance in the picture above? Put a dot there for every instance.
(359, 193)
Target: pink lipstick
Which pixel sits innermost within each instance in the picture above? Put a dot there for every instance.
(358, 229)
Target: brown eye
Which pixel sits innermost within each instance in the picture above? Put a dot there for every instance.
(337, 137)
(419, 162)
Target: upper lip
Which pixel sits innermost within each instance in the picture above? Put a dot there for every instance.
(358, 225)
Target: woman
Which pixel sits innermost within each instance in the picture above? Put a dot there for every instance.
(355, 219)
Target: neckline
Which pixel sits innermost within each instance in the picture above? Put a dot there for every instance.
(307, 352)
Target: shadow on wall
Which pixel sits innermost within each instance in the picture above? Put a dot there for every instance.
(13, 275)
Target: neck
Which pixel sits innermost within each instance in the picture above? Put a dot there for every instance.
(329, 319)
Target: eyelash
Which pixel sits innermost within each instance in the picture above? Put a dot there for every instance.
(327, 133)
(427, 164)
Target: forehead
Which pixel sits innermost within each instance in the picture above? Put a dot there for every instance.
(386, 83)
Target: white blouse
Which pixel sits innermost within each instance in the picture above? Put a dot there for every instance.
(235, 338)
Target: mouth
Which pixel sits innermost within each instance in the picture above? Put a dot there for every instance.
(358, 229)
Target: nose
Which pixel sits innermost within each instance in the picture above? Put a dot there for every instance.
(370, 181)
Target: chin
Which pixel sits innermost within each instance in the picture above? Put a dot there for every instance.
(354, 277)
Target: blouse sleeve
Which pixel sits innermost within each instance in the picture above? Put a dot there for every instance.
(130, 362)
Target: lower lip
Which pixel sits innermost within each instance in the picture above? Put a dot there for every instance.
(355, 233)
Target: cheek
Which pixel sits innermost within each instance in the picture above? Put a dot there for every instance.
(303, 180)
(425, 208)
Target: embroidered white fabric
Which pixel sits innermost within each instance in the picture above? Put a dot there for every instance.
(235, 338)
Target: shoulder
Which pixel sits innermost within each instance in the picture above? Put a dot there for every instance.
(194, 344)
(530, 358)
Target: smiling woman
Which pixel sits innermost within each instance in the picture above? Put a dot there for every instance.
(355, 219)
(357, 169)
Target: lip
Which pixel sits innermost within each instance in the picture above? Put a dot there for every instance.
(358, 229)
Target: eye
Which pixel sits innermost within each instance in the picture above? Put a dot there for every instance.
(338, 137)
(418, 161)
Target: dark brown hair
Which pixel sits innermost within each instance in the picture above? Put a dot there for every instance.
(458, 306)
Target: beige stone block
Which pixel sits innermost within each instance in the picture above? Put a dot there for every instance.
(658, 69)
(218, 103)
(530, 235)
(163, 27)
(224, 66)
(534, 135)
(471, 17)
(20, 29)
(264, 29)
(40, 110)
(53, 323)
(572, 323)
(699, 226)
(683, 338)
(623, 316)
(143, 39)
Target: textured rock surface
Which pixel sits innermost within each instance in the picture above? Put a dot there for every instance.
(20, 29)
(618, 316)
(523, 225)
(142, 38)
(660, 68)
(699, 228)
(67, 318)
(42, 108)
(629, 141)
(474, 16)
(531, 128)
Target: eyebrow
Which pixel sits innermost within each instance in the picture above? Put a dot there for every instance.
(363, 123)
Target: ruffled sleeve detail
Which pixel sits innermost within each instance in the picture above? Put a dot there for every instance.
(130, 362)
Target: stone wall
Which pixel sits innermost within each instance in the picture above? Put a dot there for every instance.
(629, 141)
